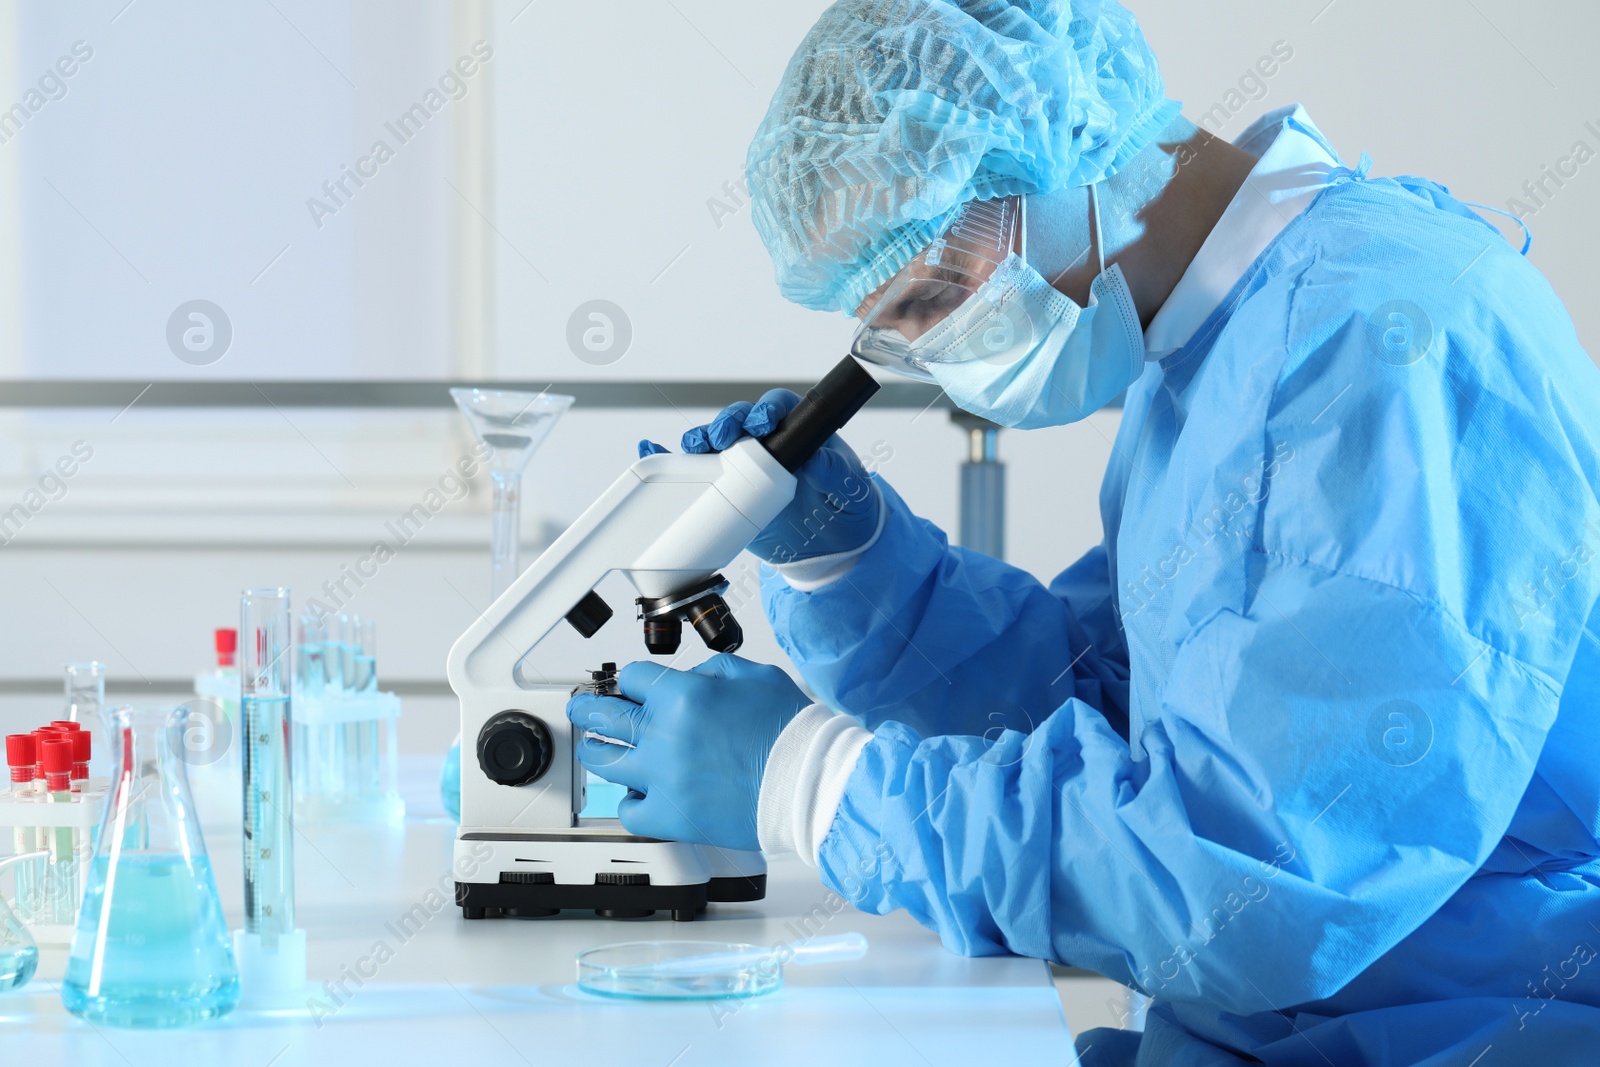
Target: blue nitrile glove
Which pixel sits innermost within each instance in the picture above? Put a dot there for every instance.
(700, 740)
(450, 781)
(835, 506)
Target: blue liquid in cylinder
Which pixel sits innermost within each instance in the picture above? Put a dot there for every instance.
(268, 818)
(151, 948)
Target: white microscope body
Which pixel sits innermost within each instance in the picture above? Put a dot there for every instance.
(668, 524)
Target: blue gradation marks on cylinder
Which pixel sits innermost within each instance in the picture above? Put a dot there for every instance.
(268, 817)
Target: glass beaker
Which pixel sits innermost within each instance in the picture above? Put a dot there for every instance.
(151, 948)
(19, 955)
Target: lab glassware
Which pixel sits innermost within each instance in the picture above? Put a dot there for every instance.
(366, 657)
(264, 677)
(361, 738)
(86, 692)
(21, 755)
(60, 841)
(151, 945)
(511, 426)
(271, 951)
(346, 743)
(213, 754)
(704, 970)
(19, 955)
(310, 673)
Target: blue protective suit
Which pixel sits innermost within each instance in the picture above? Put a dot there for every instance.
(1309, 748)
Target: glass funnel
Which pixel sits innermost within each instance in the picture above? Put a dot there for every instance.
(151, 948)
(511, 426)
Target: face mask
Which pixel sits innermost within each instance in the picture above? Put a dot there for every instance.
(1038, 359)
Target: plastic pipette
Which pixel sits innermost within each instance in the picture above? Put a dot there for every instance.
(840, 948)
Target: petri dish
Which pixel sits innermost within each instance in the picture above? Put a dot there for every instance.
(679, 970)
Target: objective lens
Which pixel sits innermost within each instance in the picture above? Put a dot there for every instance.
(662, 634)
(713, 620)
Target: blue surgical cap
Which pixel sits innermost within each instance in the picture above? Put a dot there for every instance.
(893, 113)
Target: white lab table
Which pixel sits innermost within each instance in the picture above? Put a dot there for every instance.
(499, 991)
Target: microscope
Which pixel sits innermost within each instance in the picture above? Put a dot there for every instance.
(669, 524)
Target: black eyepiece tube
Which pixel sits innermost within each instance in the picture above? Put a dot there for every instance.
(826, 407)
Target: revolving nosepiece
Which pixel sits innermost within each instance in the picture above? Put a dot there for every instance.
(701, 606)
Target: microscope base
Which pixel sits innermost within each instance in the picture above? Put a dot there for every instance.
(480, 900)
(599, 868)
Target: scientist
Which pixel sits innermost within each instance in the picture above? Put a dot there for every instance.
(1308, 749)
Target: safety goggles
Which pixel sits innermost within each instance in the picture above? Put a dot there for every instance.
(928, 313)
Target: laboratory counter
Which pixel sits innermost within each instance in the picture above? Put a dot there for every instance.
(398, 977)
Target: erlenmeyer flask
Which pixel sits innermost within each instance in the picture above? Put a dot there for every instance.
(19, 956)
(151, 948)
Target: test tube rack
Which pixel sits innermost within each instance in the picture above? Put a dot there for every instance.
(345, 758)
(84, 816)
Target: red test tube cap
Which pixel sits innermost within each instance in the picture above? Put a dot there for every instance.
(66, 724)
(82, 746)
(58, 757)
(19, 750)
(21, 755)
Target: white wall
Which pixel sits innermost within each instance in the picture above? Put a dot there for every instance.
(1476, 96)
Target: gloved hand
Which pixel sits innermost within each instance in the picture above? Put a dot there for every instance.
(835, 506)
(700, 740)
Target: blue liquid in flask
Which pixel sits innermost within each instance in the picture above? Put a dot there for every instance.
(151, 948)
(19, 956)
(17, 964)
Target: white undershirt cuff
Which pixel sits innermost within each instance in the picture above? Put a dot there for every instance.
(804, 782)
(809, 575)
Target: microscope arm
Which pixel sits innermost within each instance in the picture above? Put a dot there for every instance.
(669, 521)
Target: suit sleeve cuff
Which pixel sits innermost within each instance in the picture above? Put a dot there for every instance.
(804, 782)
(809, 575)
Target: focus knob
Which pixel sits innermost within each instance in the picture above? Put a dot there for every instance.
(514, 748)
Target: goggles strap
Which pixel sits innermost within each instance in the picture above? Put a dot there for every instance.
(1099, 235)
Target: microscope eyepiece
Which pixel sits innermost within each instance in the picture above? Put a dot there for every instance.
(821, 413)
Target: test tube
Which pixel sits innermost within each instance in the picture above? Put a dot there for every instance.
(366, 656)
(82, 751)
(21, 755)
(367, 762)
(349, 636)
(63, 860)
(82, 743)
(86, 691)
(225, 642)
(61, 842)
(71, 731)
(265, 675)
(311, 675)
